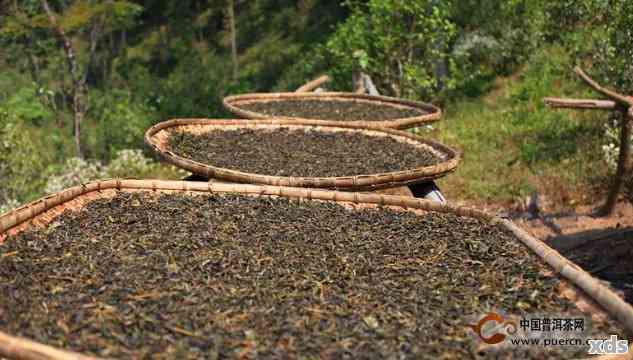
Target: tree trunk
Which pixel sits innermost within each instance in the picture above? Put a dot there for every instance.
(34, 68)
(78, 83)
(231, 12)
(623, 162)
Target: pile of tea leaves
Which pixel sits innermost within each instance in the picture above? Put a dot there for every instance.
(300, 152)
(213, 276)
(325, 109)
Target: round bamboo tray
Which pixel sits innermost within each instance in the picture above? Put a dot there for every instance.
(157, 137)
(584, 287)
(429, 113)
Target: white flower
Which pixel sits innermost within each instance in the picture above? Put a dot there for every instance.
(8, 206)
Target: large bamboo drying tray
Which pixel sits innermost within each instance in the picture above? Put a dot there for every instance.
(431, 112)
(157, 138)
(45, 210)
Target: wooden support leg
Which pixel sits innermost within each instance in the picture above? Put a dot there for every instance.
(427, 190)
(623, 163)
(195, 177)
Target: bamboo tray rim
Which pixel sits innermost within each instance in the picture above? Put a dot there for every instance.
(430, 112)
(19, 348)
(449, 158)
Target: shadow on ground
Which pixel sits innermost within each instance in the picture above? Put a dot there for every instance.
(605, 253)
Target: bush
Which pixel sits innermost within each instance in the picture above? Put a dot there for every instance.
(612, 60)
(402, 44)
(121, 122)
(8, 205)
(25, 104)
(22, 162)
(125, 164)
(132, 163)
(74, 172)
(193, 88)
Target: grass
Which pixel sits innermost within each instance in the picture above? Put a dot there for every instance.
(512, 145)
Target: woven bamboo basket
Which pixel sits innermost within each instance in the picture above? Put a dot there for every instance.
(157, 136)
(428, 113)
(579, 284)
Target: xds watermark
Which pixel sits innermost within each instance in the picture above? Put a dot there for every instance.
(610, 346)
(544, 331)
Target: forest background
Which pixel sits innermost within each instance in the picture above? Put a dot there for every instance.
(117, 67)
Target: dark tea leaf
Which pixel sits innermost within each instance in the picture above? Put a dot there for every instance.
(329, 109)
(212, 276)
(305, 153)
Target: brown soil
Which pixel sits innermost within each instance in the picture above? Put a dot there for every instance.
(301, 153)
(175, 276)
(342, 110)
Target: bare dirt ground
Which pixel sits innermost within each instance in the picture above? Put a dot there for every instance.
(603, 246)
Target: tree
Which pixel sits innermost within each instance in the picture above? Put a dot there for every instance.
(80, 22)
(617, 102)
(398, 43)
(78, 80)
(231, 14)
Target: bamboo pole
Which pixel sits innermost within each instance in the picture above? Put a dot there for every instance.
(311, 85)
(22, 349)
(561, 103)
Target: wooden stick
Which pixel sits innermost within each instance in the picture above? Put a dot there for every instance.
(309, 86)
(623, 163)
(368, 84)
(23, 349)
(619, 98)
(363, 84)
(579, 103)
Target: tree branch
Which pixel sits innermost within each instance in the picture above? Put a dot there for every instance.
(79, 90)
(580, 103)
(95, 34)
(619, 98)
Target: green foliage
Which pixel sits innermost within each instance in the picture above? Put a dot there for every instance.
(543, 134)
(183, 95)
(430, 49)
(403, 45)
(154, 60)
(25, 104)
(21, 160)
(75, 17)
(564, 17)
(121, 122)
(114, 15)
(488, 46)
(613, 58)
(513, 144)
(598, 32)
